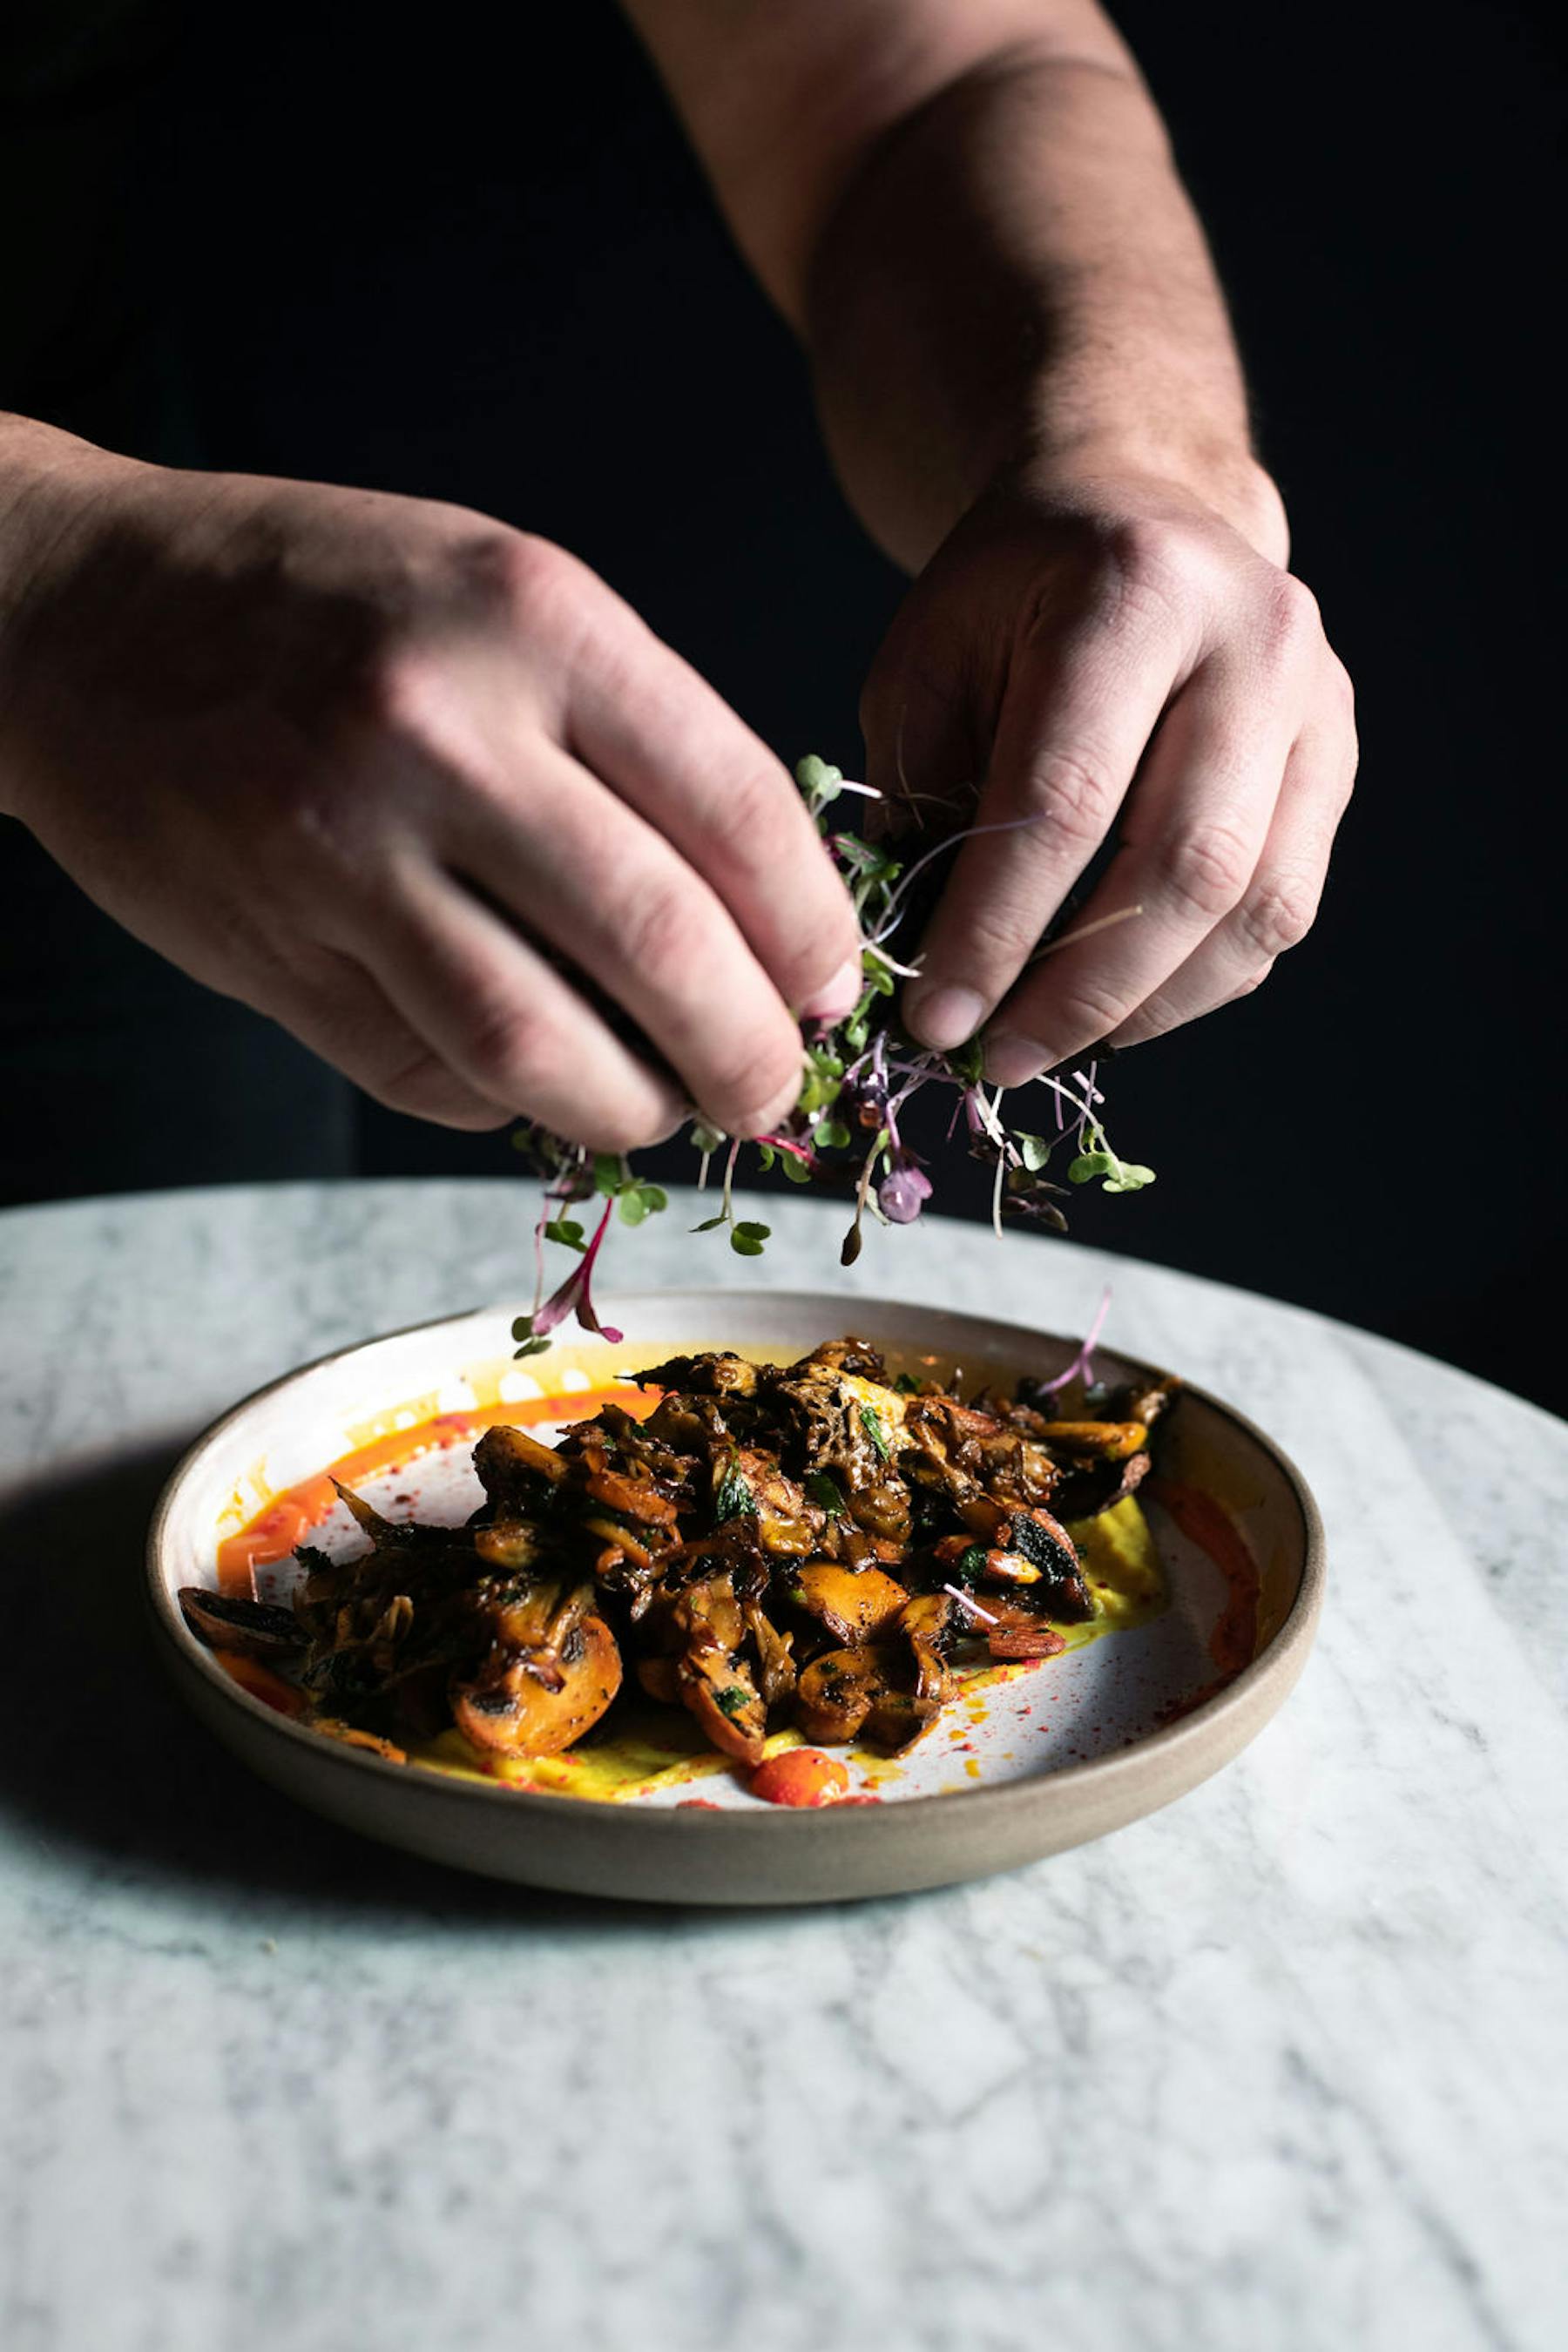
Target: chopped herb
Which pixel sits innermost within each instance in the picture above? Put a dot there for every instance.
(733, 1700)
(732, 1497)
(874, 1431)
(826, 1490)
(971, 1564)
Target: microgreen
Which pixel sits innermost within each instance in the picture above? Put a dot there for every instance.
(858, 1076)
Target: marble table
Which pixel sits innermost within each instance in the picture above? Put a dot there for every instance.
(1281, 2067)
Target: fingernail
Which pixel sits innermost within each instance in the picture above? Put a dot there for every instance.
(1012, 1060)
(944, 1017)
(840, 996)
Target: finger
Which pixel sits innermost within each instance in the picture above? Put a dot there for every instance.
(513, 1028)
(1196, 829)
(1078, 715)
(1278, 906)
(343, 1013)
(644, 722)
(615, 898)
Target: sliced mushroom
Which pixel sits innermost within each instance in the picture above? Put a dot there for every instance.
(927, 1623)
(838, 1691)
(551, 1671)
(510, 1463)
(256, 1629)
(853, 1604)
(776, 1661)
(1100, 1440)
(1016, 1632)
(712, 1678)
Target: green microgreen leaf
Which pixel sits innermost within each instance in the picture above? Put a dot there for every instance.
(609, 1171)
(826, 1490)
(1036, 1151)
(831, 1135)
(875, 1432)
(1090, 1164)
(707, 1137)
(744, 1245)
(710, 1225)
(754, 1233)
(530, 1348)
(567, 1232)
(796, 1171)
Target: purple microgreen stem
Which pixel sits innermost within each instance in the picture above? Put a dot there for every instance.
(965, 1601)
(1083, 1365)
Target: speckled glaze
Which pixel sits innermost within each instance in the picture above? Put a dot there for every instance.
(1278, 2067)
(931, 1827)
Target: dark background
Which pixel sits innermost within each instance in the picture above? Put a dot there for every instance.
(443, 260)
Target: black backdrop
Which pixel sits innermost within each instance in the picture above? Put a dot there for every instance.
(443, 259)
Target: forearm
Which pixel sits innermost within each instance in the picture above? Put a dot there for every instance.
(47, 482)
(1012, 276)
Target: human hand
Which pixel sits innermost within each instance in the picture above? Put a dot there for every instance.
(1110, 653)
(401, 777)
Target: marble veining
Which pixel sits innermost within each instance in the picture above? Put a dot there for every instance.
(1281, 2067)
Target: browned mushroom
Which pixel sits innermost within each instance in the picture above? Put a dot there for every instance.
(256, 1629)
(853, 1605)
(714, 1681)
(551, 1671)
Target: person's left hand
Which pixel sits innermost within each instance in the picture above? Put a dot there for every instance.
(1112, 653)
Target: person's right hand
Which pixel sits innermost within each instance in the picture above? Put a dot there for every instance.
(399, 776)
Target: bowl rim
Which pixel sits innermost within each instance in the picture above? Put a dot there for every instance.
(1282, 1657)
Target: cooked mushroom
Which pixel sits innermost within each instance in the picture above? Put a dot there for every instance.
(852, 1605)
(550, 1672)
(256, 1629)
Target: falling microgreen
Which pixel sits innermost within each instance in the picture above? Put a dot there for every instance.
(858, 1074)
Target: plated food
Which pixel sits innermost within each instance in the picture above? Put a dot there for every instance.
(812, 1545)
(1207, 1579)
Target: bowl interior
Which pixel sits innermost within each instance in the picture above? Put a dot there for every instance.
(1016, 1725)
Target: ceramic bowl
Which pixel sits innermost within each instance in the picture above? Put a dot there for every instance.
(1042, 1760)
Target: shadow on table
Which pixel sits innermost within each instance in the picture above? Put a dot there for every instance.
(97, 1752)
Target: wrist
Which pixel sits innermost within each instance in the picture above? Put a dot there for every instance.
(1224, 479)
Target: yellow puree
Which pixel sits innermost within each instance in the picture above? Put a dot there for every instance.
(661, 1747)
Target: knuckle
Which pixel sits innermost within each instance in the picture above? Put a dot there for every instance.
(622, 1126)
(1071, 793)
(1143, 564)
(662, 931)
(1277, 914)
(423, 1087)
(1090, 1010)
(1203, 872)
(510, 1054)
(1290, 622)
(748, 1079)
(529, 576)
